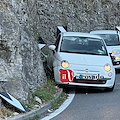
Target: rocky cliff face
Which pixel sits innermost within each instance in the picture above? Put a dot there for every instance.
(77, 15)
(21, 69)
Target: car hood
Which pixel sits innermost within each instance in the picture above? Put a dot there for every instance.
(83, 59)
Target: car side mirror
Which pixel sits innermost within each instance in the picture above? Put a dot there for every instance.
(52, 47)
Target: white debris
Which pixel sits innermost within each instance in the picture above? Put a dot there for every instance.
(49, 110)
(56, 87)
(36, 106)
(37, 99)
(15, 113)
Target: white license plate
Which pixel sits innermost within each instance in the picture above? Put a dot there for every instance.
(89, 77)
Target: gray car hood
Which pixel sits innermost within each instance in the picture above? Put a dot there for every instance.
(84, 59)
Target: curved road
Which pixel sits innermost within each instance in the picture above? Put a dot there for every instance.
(92, 104)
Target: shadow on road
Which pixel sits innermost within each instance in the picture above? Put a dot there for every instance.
(89, 90)
(83, 90)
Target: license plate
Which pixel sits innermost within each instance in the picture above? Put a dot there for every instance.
(88, 77)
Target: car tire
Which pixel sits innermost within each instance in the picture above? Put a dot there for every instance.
(65, 88)
(110, 89)
(52, 75)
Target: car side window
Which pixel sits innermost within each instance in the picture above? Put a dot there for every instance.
(57, 42)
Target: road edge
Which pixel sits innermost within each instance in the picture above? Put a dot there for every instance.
(36, 112)
(64, 105)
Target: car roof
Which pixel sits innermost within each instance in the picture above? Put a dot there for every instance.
(80, 34)
(104, 32)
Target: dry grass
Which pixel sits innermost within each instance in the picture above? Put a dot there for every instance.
(4, 113)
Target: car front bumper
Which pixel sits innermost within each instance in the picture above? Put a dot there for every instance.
(107, 82)
(107, 85)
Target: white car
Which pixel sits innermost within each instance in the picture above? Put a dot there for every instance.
(112, 40)
(81, 59)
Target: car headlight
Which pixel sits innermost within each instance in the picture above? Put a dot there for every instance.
(116, 52)
(65, 64)
(107, 67)
(117, 58)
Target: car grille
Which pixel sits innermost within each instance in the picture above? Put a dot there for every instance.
(89, 81)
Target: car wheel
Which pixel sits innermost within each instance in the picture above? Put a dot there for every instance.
(117, 71)
(65, 88)
(52, 75)
(110, 89)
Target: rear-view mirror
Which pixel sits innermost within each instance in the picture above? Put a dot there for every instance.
(52, 47)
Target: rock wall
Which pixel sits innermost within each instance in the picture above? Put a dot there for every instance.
(77, 15)
(21, 68)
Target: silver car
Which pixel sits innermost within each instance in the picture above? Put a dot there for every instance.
(112, 40)
(81, 59)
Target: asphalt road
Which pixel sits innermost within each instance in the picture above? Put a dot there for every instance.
(93, 104)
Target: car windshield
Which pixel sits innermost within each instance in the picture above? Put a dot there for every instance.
(83, 45)
(110, 39)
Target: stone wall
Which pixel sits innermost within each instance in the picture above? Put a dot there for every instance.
(21, 68)
(78, 15)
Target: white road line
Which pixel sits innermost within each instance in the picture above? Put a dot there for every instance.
(62, 107)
